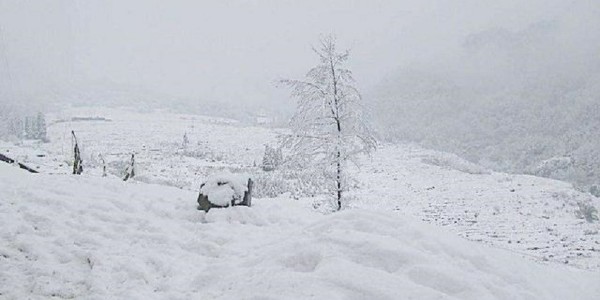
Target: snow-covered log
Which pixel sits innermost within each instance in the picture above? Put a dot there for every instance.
(9, 160)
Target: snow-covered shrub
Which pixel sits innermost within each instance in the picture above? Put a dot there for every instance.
(272, 158)
(195, 153)
(555, 167)
(118, 167)
(324, 204)
(271, 185)
(595, 190)
(586, 211)
(300, 183)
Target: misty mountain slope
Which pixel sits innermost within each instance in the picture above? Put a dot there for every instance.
(95, 238)
(517, 100)
(531, 215)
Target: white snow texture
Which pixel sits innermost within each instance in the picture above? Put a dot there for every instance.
(100, 238)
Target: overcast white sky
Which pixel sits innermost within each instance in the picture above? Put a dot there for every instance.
(233, 50)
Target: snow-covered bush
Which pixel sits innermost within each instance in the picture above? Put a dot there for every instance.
(555, 167)
(586, 211)
(300, 183)
(271, 185)
(272, 158)
(121, 167)
(595, 190)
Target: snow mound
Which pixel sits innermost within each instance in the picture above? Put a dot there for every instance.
(221, 189)
(100, 238)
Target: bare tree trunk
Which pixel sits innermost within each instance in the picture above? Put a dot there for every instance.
(339, 181)
(336, 116)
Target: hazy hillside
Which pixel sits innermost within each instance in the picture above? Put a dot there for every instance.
(522, 101)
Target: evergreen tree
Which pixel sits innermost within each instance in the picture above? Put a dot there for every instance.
(27, 128)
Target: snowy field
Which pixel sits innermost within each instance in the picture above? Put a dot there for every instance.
(94, 237)
(530, 215)
(86, 237)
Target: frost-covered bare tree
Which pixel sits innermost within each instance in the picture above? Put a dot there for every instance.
(328, 127)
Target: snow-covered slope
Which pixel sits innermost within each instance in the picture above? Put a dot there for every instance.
(99, 238)
(527, 214)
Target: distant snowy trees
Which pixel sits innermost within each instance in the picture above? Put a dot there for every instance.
(586, 211)
(272, 158)
(35, 128)
(16, 123)
(328, 127)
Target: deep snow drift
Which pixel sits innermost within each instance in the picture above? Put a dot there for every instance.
(89, 237)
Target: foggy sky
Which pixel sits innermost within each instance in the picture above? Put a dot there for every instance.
(232, 51)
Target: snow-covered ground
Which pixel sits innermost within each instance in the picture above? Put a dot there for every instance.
(527, 214)
(86, 229)
(155, 137)
(101, 238)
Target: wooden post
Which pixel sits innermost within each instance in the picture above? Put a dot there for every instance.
(248, 194)
(130, 169)
(77, 161)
